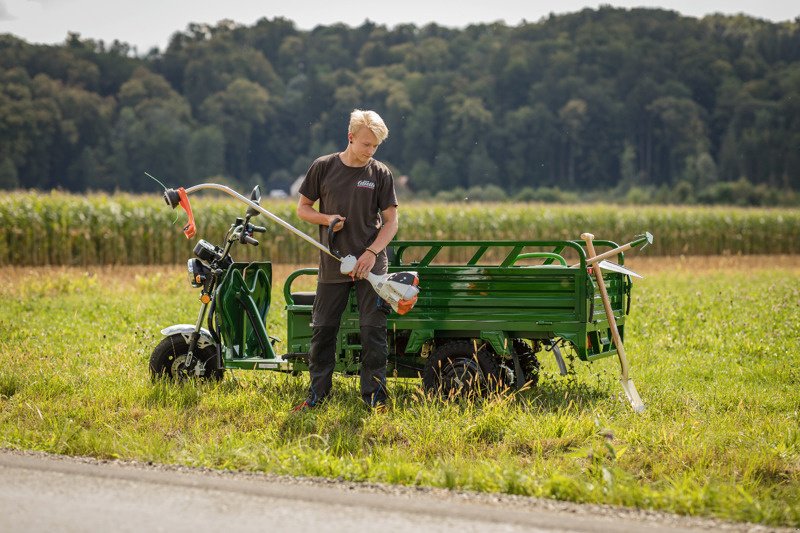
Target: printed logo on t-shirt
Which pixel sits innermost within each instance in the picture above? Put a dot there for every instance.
(366, 184)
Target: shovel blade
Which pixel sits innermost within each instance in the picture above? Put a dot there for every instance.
(632, 394)
(608, 265)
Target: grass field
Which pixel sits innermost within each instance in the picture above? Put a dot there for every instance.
(714, 345)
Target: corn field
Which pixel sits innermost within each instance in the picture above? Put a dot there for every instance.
(65, 229)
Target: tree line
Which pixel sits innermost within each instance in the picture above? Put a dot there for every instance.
(606, 99)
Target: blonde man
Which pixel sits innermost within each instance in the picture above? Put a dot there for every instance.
(358, 190)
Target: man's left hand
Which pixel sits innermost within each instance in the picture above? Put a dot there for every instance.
(364, 265)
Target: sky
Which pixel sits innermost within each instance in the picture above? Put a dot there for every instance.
(150, 23)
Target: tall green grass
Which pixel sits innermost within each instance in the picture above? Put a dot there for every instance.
(714, 354)
(62, 229)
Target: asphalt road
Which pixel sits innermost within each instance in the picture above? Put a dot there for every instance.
(53, 493)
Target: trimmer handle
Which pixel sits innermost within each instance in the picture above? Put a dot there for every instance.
(332, 237)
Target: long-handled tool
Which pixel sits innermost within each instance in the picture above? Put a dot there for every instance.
(645, 239)
(625, 380)
(400, 290)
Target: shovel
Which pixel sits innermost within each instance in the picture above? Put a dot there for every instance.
(608, 265)
(627, 383)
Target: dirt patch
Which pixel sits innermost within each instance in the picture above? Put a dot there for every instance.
(643, 265)
(651, 265)
(118, 274)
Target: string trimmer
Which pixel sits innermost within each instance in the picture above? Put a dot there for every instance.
(400, 289)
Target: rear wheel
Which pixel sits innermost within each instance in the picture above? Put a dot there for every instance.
(456, 369)
(168, 360)
(528, 361)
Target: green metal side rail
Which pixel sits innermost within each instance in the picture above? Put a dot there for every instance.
(400, 248)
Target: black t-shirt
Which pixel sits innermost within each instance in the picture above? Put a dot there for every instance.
(357, 193)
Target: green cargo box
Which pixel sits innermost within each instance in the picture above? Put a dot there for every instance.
(487, 293)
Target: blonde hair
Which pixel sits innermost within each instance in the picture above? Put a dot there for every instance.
(368, 119)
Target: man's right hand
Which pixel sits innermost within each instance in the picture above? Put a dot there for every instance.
(338, 226)
(306, 211)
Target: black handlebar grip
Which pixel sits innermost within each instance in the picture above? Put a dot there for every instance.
(172, 198)
(258, 229)
(249, 240)
(332, 237)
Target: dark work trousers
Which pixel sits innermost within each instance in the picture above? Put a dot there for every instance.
(329, 304)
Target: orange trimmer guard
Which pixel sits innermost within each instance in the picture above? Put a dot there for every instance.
(189, 229)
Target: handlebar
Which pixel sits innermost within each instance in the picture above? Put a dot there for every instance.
(256, 229)
(246, 231)
(332, 237)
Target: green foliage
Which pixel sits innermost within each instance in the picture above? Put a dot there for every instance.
(8, 174)
(586, 101)
(713, 353)
(735, 193)
(550, 195)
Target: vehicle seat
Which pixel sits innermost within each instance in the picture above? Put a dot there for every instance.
(303, 298)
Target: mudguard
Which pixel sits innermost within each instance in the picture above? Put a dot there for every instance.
(186, 331)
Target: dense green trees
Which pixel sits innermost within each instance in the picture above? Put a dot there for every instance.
(634, 100)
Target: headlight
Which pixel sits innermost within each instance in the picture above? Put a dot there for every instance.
(197, 272)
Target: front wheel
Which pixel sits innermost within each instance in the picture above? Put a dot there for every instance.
(168, 361)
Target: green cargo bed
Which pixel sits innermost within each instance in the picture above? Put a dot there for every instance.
(483, 291)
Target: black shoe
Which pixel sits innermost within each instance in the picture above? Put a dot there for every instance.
(377, 405)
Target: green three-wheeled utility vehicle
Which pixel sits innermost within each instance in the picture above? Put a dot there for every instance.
(482, 310)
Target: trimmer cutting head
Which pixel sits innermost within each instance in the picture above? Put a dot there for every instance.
(175, 198)
(172, 198)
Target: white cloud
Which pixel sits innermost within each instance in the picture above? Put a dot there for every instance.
(5, 14)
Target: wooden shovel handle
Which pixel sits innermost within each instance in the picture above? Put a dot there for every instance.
(612, 323)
